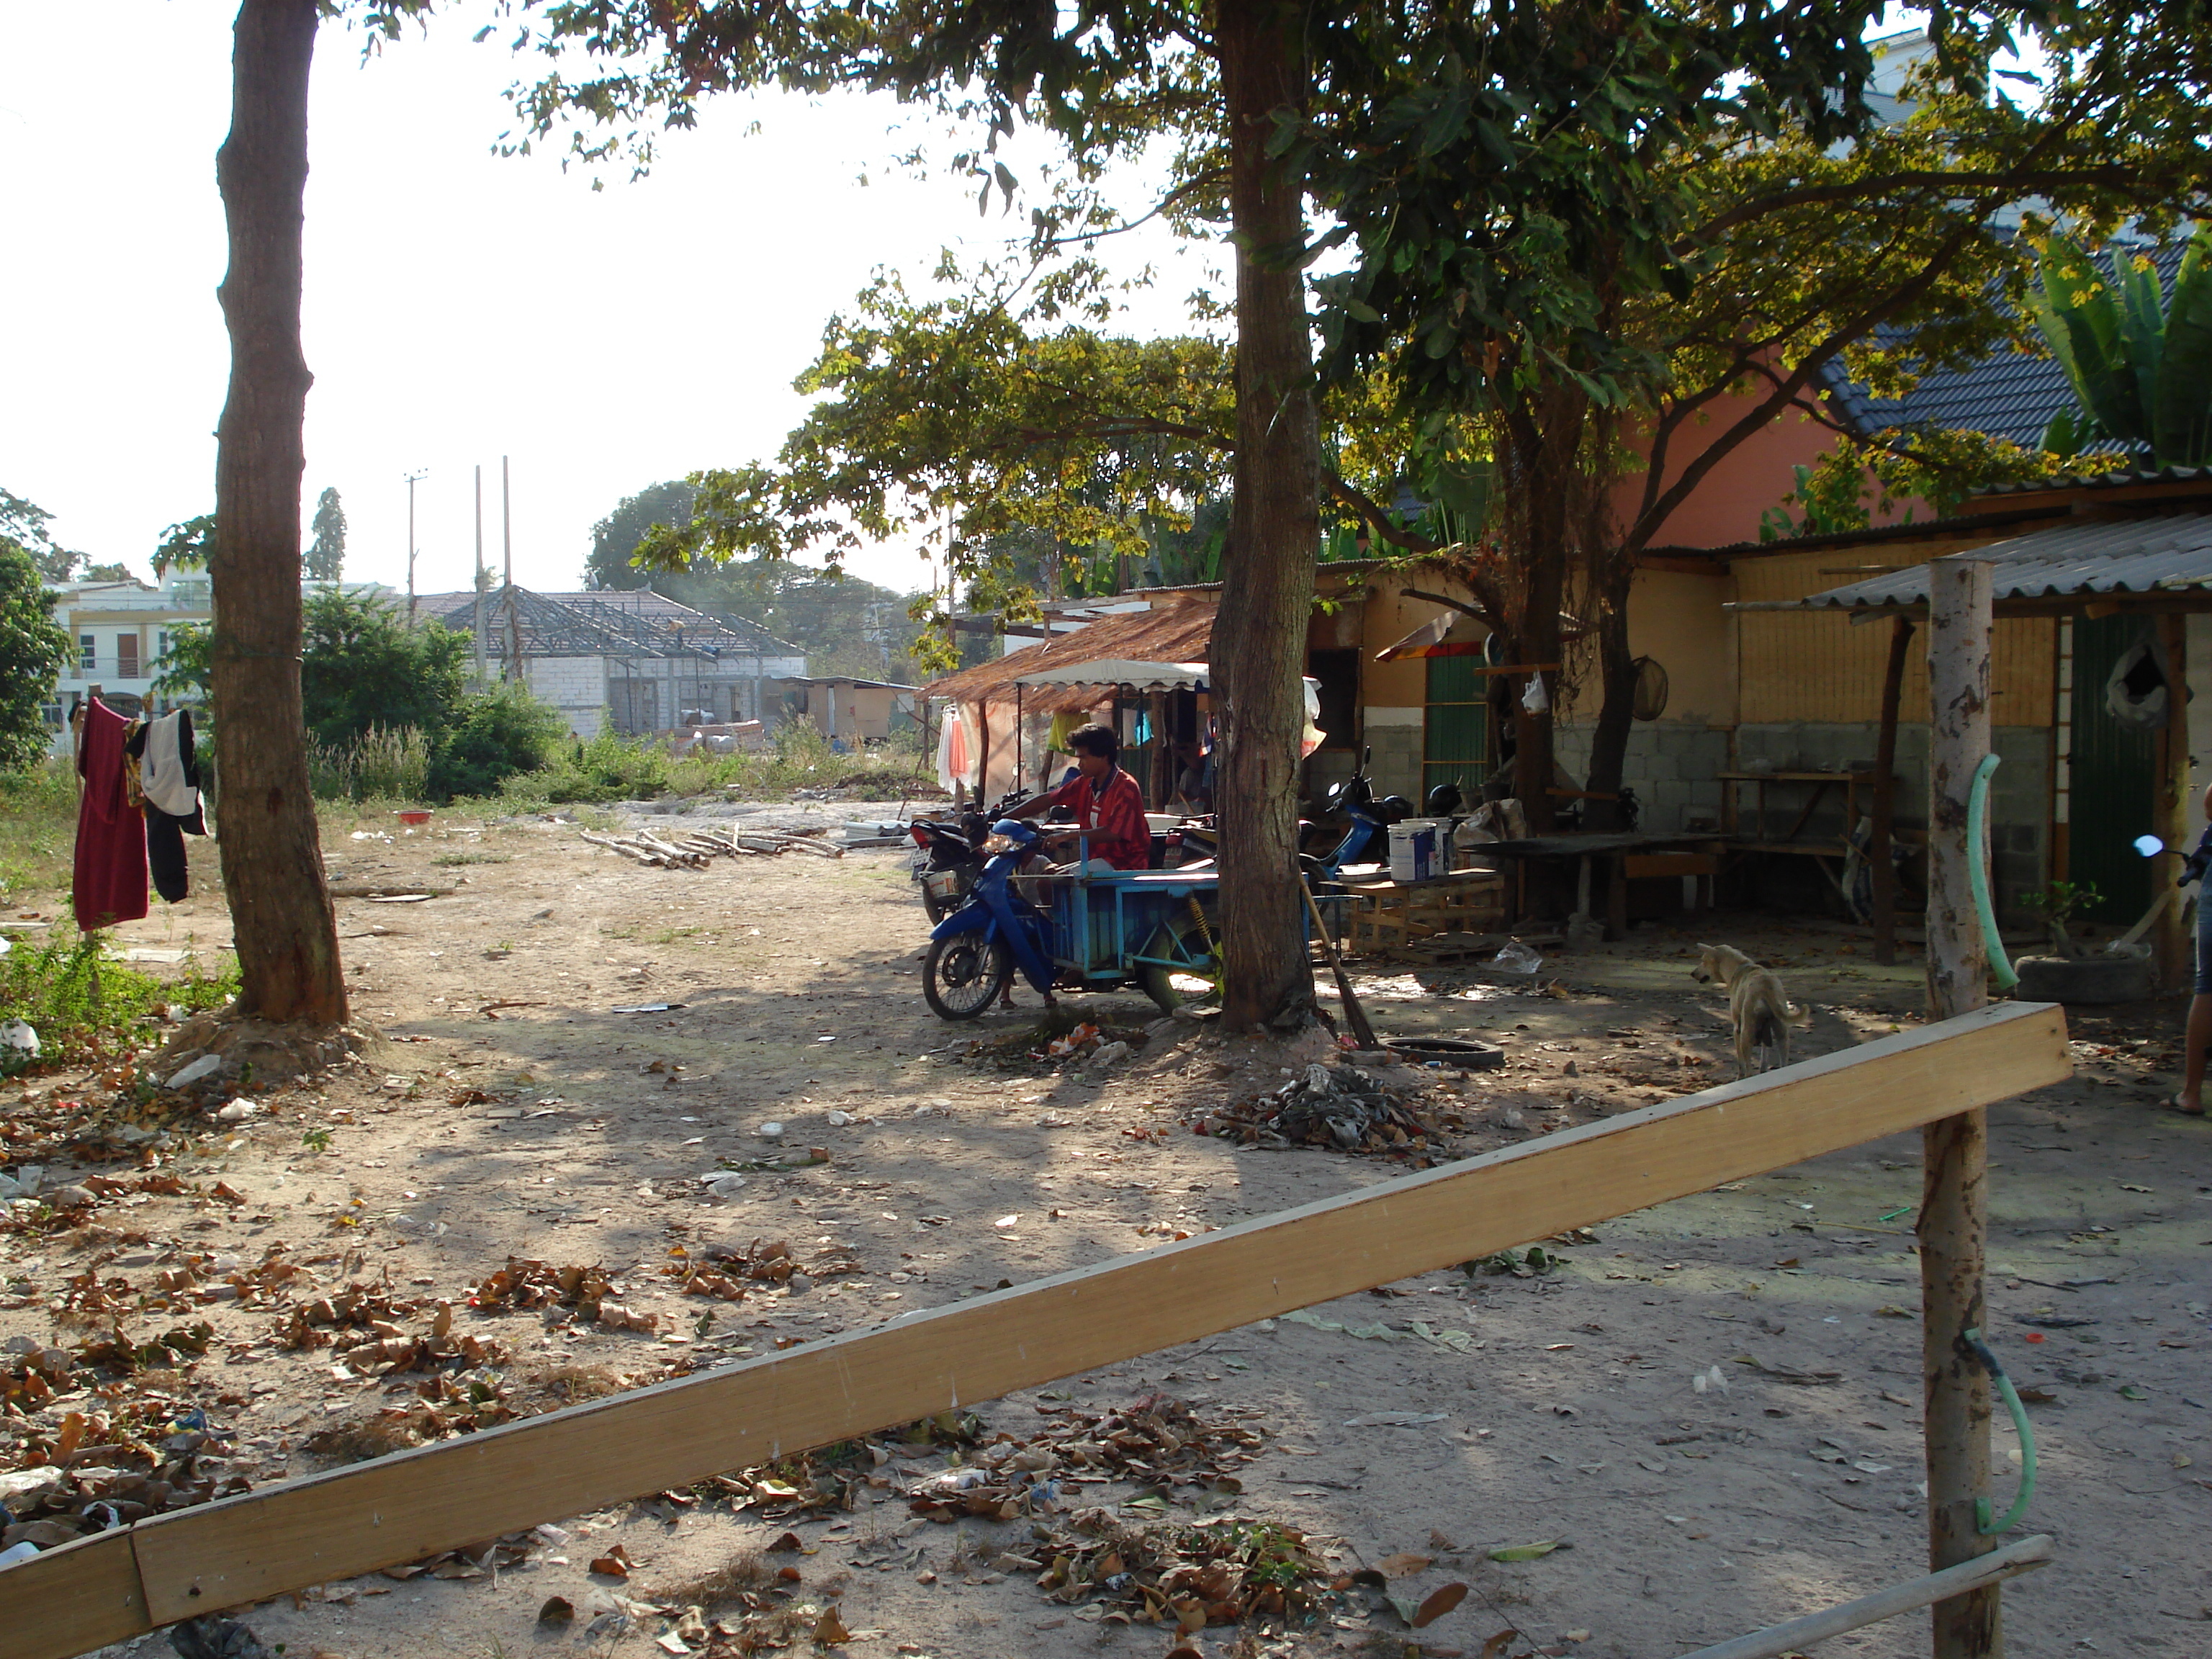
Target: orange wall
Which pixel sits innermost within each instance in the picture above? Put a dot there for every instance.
(1726, 506)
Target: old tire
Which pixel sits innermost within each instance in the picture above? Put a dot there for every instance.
(1190, 987)
(2086, 980)
(964, 975)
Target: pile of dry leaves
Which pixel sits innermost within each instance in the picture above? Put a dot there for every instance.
(1342, 1107)
(92, 1470)
(528, 1283)
(725, 1270)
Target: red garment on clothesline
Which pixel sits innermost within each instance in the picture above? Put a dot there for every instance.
(110, 882)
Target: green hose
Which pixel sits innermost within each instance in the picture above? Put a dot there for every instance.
(2027, 1493)
(2001, 976)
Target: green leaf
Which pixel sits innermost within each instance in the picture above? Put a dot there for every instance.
(1525, 1552)
(2181, 402)
(2131, 1392)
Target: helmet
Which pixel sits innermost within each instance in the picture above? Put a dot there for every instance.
(1444, 801)
(1015, 830)
(1393, 809)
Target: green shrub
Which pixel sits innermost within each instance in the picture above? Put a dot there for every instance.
(87, 1009)
(501, 732)
(608, 767)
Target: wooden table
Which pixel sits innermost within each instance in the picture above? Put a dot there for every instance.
(1628, 856)
(1820, 782)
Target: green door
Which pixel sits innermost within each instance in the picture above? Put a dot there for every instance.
(1455, 737)
(2110, 788)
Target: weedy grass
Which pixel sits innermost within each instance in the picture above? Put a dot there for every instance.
(38, 832)
(87, 1010)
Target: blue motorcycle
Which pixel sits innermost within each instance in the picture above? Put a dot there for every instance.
(1096, 931)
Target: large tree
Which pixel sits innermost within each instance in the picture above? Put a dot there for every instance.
(1105, 81)
(1665, 241)
(24, 523)
(272, 859)
(324, 560)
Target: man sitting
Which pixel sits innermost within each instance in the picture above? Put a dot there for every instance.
(1108, 804)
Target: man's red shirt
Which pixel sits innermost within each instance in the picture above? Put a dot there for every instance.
(1114, 813)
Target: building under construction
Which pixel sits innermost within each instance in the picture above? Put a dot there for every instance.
(627, 658)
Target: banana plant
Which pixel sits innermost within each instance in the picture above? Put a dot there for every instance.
(2139, 359)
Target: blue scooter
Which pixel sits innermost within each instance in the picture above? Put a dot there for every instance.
(974, 952)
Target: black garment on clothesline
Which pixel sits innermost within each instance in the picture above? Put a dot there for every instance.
(166, 831)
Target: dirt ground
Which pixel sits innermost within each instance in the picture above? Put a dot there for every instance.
(1710, 1407)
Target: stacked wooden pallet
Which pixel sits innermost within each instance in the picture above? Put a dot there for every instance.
(1388, 915)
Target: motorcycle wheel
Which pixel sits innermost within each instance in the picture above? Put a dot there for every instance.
(1182, 987)
(962, 975)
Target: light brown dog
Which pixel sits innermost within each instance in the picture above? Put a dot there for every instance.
(1758, 1007)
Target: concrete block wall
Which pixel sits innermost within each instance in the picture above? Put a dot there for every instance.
(1673, 767)
(1397, 743)
(2020, 792)
(577, 686)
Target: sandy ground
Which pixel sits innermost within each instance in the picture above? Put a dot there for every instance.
(1711, 1406)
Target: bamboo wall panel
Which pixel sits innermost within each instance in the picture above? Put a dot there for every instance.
(1820, 667)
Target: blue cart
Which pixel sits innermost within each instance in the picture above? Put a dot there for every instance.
(1087, 929)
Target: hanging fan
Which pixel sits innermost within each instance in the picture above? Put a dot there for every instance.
(1650, 688)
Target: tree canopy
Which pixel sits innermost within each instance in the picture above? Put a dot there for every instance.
(23, 526)
(34, 650)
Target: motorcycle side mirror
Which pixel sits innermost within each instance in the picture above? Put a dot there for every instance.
(2149, 846)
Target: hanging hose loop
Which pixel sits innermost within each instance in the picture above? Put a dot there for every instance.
(1973, 1340)
(2002, 977)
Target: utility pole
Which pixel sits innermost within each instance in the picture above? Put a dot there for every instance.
(507, 539)
(1954, 1152)
(481, 574)
(413, 478)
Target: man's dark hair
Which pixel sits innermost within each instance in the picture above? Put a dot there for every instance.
(1095, 740)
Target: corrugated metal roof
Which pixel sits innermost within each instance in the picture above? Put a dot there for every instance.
(1180, 631)
(2106, 555)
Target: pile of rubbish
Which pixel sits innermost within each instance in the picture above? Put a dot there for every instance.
(1158, 1441)
(1344, 1108)
(95, 1469)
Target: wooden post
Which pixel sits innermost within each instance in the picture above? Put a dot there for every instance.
(1884, 867)
(2170, 809)
(1953, 1209)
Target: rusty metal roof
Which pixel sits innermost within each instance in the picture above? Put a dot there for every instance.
(2104, 556)
(1177, 631)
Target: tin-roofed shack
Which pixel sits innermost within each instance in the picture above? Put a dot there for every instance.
(2093, 577)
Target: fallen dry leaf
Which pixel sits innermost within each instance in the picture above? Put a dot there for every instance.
(1404, 1564)
(830, 1630)
(557, 1610)
(615, 1563)
(1498, 1644)
(1433, 1607)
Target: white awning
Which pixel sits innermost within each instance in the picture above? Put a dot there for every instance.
(1123, 670)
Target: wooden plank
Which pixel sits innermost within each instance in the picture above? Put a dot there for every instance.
(400, 1508)
(73, 1599)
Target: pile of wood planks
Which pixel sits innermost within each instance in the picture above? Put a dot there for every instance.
(691, 848)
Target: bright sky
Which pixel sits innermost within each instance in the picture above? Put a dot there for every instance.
(458, 306)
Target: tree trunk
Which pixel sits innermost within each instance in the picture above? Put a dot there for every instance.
(1259, 646)
(1954, 1153)
(272, 860)
(1878, 855)
(1616, 715)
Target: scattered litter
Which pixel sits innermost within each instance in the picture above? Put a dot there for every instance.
(646, 1007)
(725, 1186)
(1517, 958)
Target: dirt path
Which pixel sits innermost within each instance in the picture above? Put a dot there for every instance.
(1711, 1406)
